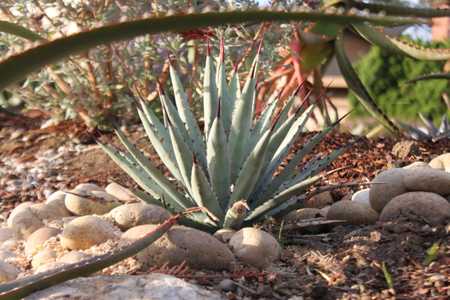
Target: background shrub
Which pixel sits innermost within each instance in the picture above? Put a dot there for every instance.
(385, 75)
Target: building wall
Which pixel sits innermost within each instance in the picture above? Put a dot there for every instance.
(440, 27)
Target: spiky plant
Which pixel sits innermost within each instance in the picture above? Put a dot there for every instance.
(228, 167)
(430, 132)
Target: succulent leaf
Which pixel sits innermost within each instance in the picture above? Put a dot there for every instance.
(187, 117)
(355, 84)
(132, 168)
(169, 190)
(16, 67)
(17, 30)
(219, 162)
(262, 210)
(250, 171)
(183, 156)
(160, 139)
(227, 101)
(203, 194)
(242, 122)
(210, 96)
(395, 45)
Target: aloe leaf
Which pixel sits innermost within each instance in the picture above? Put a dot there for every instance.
(202, 193)
(132, 168)
(168, 188)
(242, 122)
(400, 10)
(355, 84)
(17, 67)
(17, 30)
(210, 96)
(434, 76)
(183, 157)
(159, 141)
(395, 45)
(23, 287)
(219, 162)
(262, 210)
(187, 117)
(250, 171)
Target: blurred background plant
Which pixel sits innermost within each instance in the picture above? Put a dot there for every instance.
(386, 75)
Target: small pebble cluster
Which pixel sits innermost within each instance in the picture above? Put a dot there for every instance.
(419, 191)
(74, 225)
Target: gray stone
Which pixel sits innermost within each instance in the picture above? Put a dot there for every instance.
(153, 286)
(302, 214)
(386, 185)
(352, 212)
(421, 206)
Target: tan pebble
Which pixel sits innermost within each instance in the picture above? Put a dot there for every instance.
(43, 257)
(386, 185)
(198, 249)
(255, 247)
(8, 272)
(224, 235)
(133, 214)
(36, 240)
(120, 192)
(85, 232)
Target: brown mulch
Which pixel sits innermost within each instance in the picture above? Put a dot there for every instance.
(344, 262)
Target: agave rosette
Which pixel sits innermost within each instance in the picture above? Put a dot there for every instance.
(228, 167)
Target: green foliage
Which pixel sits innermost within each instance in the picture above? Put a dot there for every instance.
(386, 75)
(228, 167)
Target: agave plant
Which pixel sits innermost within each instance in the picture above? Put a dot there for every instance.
(430, 132)
(228, 167)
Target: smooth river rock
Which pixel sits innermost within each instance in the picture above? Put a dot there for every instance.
(255, 247)
(133, 214)
(353, 212)
(85, 232)
(198, 249)
(432, 208)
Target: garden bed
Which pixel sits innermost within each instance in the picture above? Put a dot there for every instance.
(342, 262)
